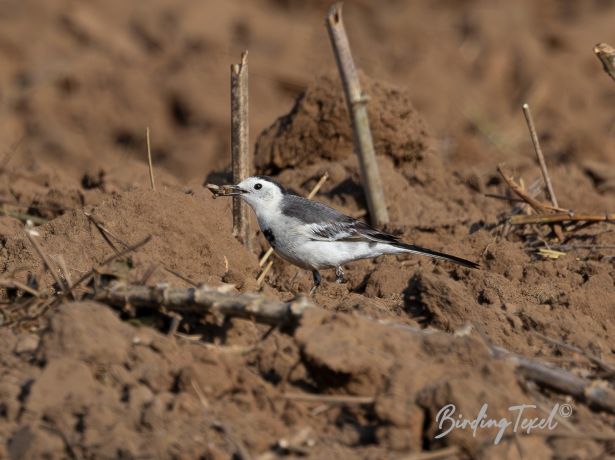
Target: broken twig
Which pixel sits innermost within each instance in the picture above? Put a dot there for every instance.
(562, 381)
(11, 283)
(533, 202)
(205, 299)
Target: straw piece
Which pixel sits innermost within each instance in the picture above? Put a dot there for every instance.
(539, 155)
(149, 160)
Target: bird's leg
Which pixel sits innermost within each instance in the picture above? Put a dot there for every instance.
(316, 276)
(339, 275)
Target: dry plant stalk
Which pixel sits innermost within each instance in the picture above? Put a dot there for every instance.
(357, 109)
(24, 217)
(263, 274)
(329, 399)
(606, 54)
(149, 160)
(66, 290)
(106, 233)
(562, 217)
(562, 381)
(539, 155)
(240, 148)
(557, 229)
(521, 193)
(110, 259)
(548, 214)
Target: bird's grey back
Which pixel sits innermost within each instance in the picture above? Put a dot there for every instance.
(331, 224)
(312, 212)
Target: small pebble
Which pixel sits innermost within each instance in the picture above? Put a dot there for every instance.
(27, 344)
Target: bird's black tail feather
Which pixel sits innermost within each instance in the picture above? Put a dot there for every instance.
(437, 255)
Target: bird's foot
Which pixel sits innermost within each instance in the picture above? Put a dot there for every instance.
(317, 279)
(339, 275)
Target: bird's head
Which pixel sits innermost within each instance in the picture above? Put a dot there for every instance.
(261, 192)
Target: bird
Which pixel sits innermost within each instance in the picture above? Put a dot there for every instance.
(314, 236)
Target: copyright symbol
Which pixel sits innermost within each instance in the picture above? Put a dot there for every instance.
(565, 410)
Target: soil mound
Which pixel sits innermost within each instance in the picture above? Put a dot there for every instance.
(317, 128)
(191, 234)
(94, 386)
(315, 136)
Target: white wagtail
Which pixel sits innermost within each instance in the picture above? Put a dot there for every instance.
(313, 235)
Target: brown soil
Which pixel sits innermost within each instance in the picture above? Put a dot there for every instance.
(79, 84)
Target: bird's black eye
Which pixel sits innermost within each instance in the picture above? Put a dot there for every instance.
(258, 186)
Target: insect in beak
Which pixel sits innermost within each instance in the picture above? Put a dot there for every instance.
(225, 190)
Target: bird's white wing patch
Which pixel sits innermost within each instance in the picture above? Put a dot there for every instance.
(329, 231)
(342, 231)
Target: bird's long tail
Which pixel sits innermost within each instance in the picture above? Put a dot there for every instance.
(436, 255)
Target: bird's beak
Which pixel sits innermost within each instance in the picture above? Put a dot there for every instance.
(226, 190)
(232, 190)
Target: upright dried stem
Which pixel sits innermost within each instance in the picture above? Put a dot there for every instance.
(539, 155)
(356, 101)
(240, 148)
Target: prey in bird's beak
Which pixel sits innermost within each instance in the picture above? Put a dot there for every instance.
(225, 190)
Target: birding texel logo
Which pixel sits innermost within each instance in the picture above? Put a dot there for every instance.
(519, 420)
